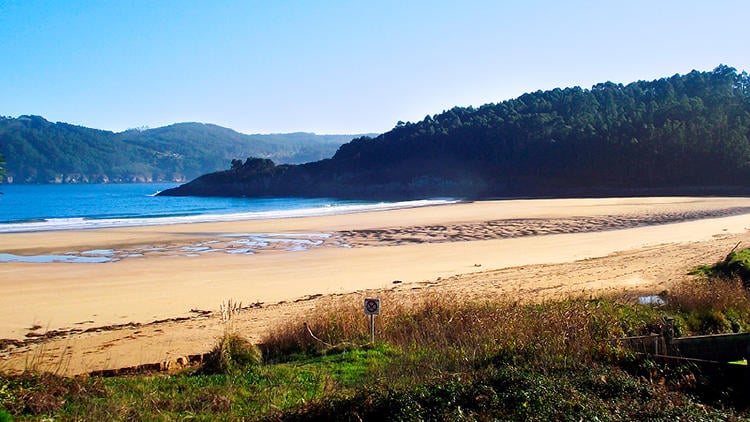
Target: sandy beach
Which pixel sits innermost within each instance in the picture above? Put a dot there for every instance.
(156, 296)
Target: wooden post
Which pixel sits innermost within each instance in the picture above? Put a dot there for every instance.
(668, 335)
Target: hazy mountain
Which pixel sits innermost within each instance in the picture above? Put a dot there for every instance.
(39, 151)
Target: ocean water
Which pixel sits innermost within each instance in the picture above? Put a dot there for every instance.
(26, 208)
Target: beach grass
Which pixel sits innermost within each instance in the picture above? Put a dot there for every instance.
(436, 357)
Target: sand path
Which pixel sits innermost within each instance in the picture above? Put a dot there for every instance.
(103, 313)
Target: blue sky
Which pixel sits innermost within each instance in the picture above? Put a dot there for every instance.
(337, 66)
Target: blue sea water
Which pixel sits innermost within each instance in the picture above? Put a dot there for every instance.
(25, 208)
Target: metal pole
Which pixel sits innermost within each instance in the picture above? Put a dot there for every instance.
(372, 328)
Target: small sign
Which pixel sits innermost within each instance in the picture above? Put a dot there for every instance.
(372, 306)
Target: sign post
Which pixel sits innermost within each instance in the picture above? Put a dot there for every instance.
(372, 308)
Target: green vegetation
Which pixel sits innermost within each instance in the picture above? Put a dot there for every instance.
(43, 152)
(677, 132)
(735, 264)
(232, 354)
(436, 358)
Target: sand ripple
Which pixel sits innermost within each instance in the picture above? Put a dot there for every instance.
(519, 227)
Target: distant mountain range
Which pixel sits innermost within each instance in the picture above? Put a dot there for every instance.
(39, 151)
(684, 134)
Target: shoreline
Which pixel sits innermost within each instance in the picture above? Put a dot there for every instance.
(53, 225)
(408, 249)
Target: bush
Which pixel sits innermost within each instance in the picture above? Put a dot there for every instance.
(233, 353)
(708, 321)
(711, 306)
(43, 394)
(736, 264)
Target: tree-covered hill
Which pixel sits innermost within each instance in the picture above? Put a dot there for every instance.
(39, 151)
(684, 131)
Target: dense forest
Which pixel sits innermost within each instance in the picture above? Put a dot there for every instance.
(39, 151)
(684, 131)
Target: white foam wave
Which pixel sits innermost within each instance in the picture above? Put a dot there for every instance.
(57, 224)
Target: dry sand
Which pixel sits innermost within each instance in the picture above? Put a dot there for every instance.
(77, 318)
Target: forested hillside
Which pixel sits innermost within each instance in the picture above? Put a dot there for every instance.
(682, 131)
(38, 151)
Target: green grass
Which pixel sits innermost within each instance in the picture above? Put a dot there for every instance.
(735, 264)
(249, 394)
(436, 358)
(243, 394)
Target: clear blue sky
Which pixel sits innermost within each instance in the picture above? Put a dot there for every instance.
(338, 66)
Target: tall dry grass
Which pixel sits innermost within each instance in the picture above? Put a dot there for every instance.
(710, 293)
(233, 352)
(711, 306)
(551, 334)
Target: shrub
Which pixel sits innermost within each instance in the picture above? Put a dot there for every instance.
(233, 353)
(45, 393)
(735, 264)
(708, 321)
(711, 306)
